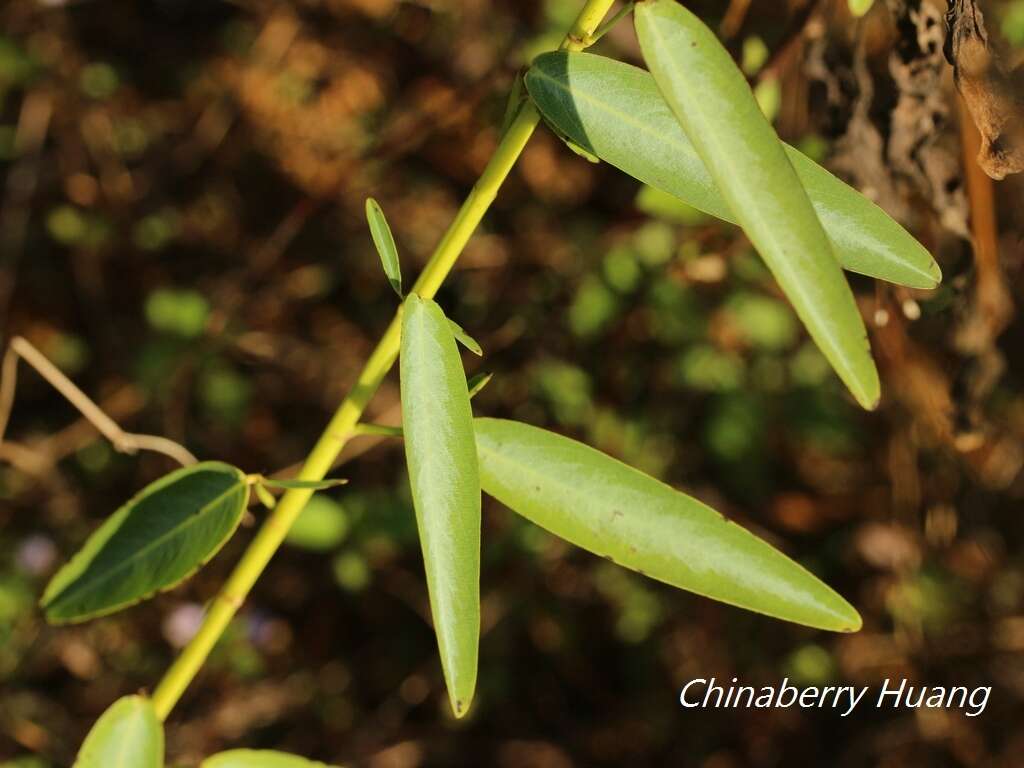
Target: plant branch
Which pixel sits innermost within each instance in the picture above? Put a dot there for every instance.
(125, 442)
(343, 424)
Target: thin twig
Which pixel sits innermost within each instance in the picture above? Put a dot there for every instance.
(994, 303)
(124, 442)
(791, 37)
(8, 380)
(735, 15)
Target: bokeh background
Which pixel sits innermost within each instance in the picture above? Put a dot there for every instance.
(182, 232)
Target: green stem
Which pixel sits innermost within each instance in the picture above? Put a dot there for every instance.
(343, 424)
(607, 27)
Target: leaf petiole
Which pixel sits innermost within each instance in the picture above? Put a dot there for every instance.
(377, 430)
(607, 27)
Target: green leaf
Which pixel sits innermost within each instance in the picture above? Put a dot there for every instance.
(612, 510)
(314, 485)
(127, 735)
(616, 111)
(713, 102)
(385, 243)
(254, 758)
(152, 543)
(465, 339)
(441, 454)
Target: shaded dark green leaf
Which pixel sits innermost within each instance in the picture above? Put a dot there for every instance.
(152, 543)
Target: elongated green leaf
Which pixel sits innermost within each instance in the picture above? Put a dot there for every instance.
(610, 509)
(441, 454)
(152, 543)
(465, 339)
(258, 758)
(127, 735)
(616, 111)
(712, 101)
(385, 243)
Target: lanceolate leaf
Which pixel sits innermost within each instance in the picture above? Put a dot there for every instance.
(127, 735)
(441, 454)
(258, 758)
(616, 111)
(152, 543)
(612, 510)
(712, 101)
(385, 243)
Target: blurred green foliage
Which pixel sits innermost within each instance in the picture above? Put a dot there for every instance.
(182, 313)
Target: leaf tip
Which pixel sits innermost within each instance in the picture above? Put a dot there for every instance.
(850, 620)
(866, 387)
(925, 276)
(870, 403)
(460, 705)
(841, 615)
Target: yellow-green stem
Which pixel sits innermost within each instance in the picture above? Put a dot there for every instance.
(343, 424)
